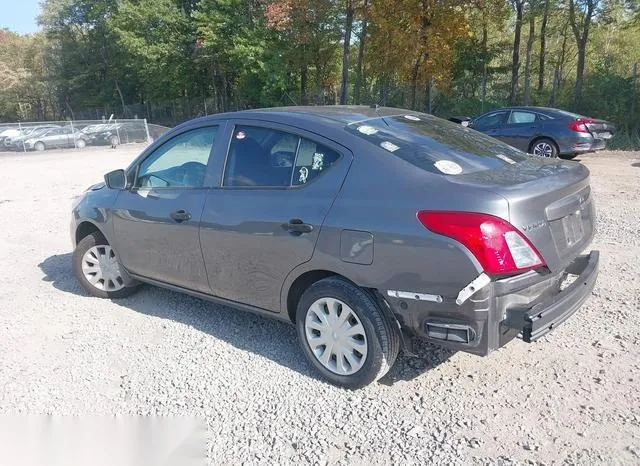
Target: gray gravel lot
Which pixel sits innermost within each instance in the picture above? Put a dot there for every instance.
(572, 398)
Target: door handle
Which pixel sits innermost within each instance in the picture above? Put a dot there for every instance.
(296, 225)
(180, 215)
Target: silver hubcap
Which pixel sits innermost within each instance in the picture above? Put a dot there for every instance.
(100, 267)
(336, 336)
(543, 149)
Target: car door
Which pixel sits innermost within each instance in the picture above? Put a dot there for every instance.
(61, 137)
(49, 137)
(491, 123)
(521, 126)
(156, 220)
(264, 219)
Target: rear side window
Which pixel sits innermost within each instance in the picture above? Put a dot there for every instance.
(436, 145)
(521, 117)
(312, 160)
(265, 157)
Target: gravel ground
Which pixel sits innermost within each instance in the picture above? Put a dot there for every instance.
(572, 398)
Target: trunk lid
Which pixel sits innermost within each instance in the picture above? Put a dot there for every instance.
(600, 129)
(550, 202)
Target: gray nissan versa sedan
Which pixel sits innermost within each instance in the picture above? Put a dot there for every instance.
(366, 227)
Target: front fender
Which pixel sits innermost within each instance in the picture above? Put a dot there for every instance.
(95, 208)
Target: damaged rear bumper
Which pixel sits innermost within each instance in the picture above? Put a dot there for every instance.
(526, 306)
(543, 315)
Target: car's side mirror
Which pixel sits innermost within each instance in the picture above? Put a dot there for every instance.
(116, 179)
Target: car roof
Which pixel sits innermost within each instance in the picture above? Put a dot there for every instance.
(544, 110)
(334, 115)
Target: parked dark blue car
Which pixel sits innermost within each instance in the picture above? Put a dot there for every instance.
(547, 132)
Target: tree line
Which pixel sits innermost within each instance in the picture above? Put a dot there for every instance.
(170, 60)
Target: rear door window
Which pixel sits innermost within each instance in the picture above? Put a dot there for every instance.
(311, 161)
(270, 158)
(436, 145)
(518, 116)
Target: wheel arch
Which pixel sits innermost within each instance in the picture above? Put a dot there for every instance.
(84, 229)
(299, 285)
(292, 293)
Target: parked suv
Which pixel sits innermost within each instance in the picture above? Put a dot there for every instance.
(365, 227)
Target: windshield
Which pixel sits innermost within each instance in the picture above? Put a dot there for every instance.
(436, 145)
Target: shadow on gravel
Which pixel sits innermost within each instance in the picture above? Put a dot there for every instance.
(266, 337)
(636, 164)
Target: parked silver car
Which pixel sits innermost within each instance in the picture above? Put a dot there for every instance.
(366, 227)
(55, 138)
(16, 141)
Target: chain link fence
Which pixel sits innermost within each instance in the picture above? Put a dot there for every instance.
(78, 134)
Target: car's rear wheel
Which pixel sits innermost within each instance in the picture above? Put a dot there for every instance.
(96, 267)
(544, 147)
(39, 146)
(114, 140)
(345, 335)
(81, 143)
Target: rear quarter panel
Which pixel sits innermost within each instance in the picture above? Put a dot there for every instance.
(381, 197)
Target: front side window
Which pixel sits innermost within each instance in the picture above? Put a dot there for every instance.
(491, 120)
(180, 162)
(264, 157)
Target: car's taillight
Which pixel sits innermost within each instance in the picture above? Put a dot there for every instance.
(579, 126)
(499, 246)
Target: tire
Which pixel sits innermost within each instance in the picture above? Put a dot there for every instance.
(544, 147)
(81, 143)
(371, 349)
(83, 268)
(114, 140)
(39, 146)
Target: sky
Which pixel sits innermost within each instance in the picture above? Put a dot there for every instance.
(19, 15)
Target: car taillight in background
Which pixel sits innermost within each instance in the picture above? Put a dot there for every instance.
(580, 126)
(499, 246)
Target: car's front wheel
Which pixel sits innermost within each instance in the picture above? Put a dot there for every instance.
(96, 267)
(39, 146)
(81, 143)
(345, 335)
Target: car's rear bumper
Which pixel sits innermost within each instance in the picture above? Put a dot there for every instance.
(597, 144)
(526, 306)
(540, 317)
(581, 144)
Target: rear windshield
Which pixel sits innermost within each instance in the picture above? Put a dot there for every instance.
(575, 116)
(436, 145)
